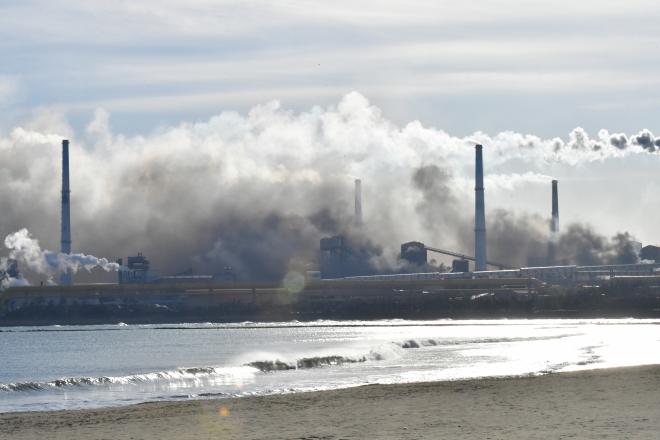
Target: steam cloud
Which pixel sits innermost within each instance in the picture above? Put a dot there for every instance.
(258, 192)
(26, 250)
(8, 281)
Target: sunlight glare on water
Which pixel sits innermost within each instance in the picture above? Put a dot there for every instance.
(98, 366)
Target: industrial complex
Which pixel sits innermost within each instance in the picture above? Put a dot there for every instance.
(138, 282)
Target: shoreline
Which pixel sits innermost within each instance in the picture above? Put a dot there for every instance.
(191, 319)
(618, 402)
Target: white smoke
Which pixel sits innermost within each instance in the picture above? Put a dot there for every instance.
(26, 250)
(13, 282)
(512, 181)
(505, 182)
(6, 280)
(258, 191)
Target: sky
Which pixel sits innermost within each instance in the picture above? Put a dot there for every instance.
(136, 84)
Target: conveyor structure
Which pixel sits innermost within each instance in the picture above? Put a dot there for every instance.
(466, 257)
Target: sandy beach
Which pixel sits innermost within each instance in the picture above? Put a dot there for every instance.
(613, 403)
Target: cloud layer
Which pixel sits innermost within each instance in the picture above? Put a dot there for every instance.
(538, 68)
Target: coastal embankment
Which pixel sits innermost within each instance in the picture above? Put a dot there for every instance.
(331, 300)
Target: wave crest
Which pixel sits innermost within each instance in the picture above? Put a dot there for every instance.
(312, 362)
(181, 374)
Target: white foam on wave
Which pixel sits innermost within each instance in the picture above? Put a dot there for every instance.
(181, 376)
(271, 361)
(198, 376)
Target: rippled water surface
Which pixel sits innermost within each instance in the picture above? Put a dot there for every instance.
(45, 368)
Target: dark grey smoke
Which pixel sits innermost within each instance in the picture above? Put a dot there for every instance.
(580, 244)
(246, 231)
(643, 139)
(514, 239)
(620, 141)
(522, 240)
(647, 141)
(440, 210)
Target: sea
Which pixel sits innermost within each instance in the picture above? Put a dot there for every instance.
(75, 367)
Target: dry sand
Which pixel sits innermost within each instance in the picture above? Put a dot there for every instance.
(615, 403)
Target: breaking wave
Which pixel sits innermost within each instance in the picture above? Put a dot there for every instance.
(203, 373)
(313, 362)
(180, 374)
(380, 353)
(412, 343)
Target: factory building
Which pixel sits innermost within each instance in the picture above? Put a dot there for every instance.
(650, 253)
(415, 252)
(139, 271)
(334, 256)
(338, 259)
(551, 274)
(335, 247)
(460, 266)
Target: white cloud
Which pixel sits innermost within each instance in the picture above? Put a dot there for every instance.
(148, 61)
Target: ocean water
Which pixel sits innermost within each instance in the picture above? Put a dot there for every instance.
(51, 368)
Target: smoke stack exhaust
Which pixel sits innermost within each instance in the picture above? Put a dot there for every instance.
(480, 214)
(65, 276)
(554, 226)
(358, 201)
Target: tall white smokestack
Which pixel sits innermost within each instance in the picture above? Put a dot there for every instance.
(480, 214)
(358, 201)
(65, 277)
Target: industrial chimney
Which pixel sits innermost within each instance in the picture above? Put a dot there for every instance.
(65, 277)
(554, 227)
(358, 201)
(480, 214)
(555, 208)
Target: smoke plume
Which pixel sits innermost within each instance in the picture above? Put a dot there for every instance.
(522, 240)
(13, 282)
(583, 246)
(26, 251)
(257, 192)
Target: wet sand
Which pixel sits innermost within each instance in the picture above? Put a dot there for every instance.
(615, 403)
